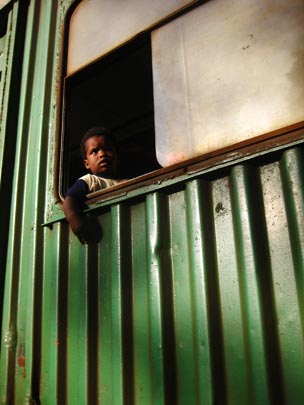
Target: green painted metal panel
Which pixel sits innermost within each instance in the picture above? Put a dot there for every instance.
(193, 295)
(11, 51)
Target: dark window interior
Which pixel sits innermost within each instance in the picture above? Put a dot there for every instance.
(3, 20)
(115, 92)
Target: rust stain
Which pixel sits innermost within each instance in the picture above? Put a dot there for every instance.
(21, 364)
(21, 361)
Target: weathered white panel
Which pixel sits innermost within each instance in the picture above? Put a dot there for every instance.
(97, 26)
(3, 3)
(227, 71)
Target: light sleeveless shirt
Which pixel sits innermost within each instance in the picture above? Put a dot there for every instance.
(96, 183)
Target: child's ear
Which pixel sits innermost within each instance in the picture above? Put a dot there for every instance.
(86, 163)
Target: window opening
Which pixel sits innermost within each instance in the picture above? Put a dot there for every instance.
(219, 79)
(115, 92)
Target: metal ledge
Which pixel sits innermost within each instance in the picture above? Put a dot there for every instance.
(220, 159)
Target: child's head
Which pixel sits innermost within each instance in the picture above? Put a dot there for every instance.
(99, 151)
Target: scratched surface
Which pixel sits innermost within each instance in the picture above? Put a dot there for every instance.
(225, 72)
(98, 26)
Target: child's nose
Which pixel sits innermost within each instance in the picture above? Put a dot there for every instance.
(101, 152)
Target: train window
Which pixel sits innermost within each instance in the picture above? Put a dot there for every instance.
(116, 92)
(226, 72)
(207, 79)
(111, 84)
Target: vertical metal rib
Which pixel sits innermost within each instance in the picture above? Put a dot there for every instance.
(121, 310)
(162, 380)
(283, 282)
(291, 297)
(292, 171)
(202, 273)
(229, 294)
(105, 363)
(77, 333)
(54, 316)
(245, 195)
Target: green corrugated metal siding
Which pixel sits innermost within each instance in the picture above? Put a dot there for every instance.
(193, 296)
(11, 51)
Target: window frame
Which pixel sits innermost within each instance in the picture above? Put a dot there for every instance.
(66, 77)
(188, 169)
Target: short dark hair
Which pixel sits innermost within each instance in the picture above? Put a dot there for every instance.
(92, 132)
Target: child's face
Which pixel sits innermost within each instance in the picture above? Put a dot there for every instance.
(101, 155)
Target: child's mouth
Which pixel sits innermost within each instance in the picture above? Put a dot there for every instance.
(103, 163)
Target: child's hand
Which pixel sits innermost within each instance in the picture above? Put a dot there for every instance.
(79, 227)
(86, 228)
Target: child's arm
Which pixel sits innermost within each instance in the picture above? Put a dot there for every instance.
(77, 221)
(85, 227)
(73, 206)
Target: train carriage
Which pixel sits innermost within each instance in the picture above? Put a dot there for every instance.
(194, 294)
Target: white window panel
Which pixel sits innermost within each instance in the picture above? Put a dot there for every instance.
(225, 72)
(3, 3)
(97, 26)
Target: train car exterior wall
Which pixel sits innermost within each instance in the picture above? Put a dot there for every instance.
(194, 294)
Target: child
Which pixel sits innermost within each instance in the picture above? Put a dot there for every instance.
(99, 151)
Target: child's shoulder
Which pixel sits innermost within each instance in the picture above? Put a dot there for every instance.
(96, 183)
